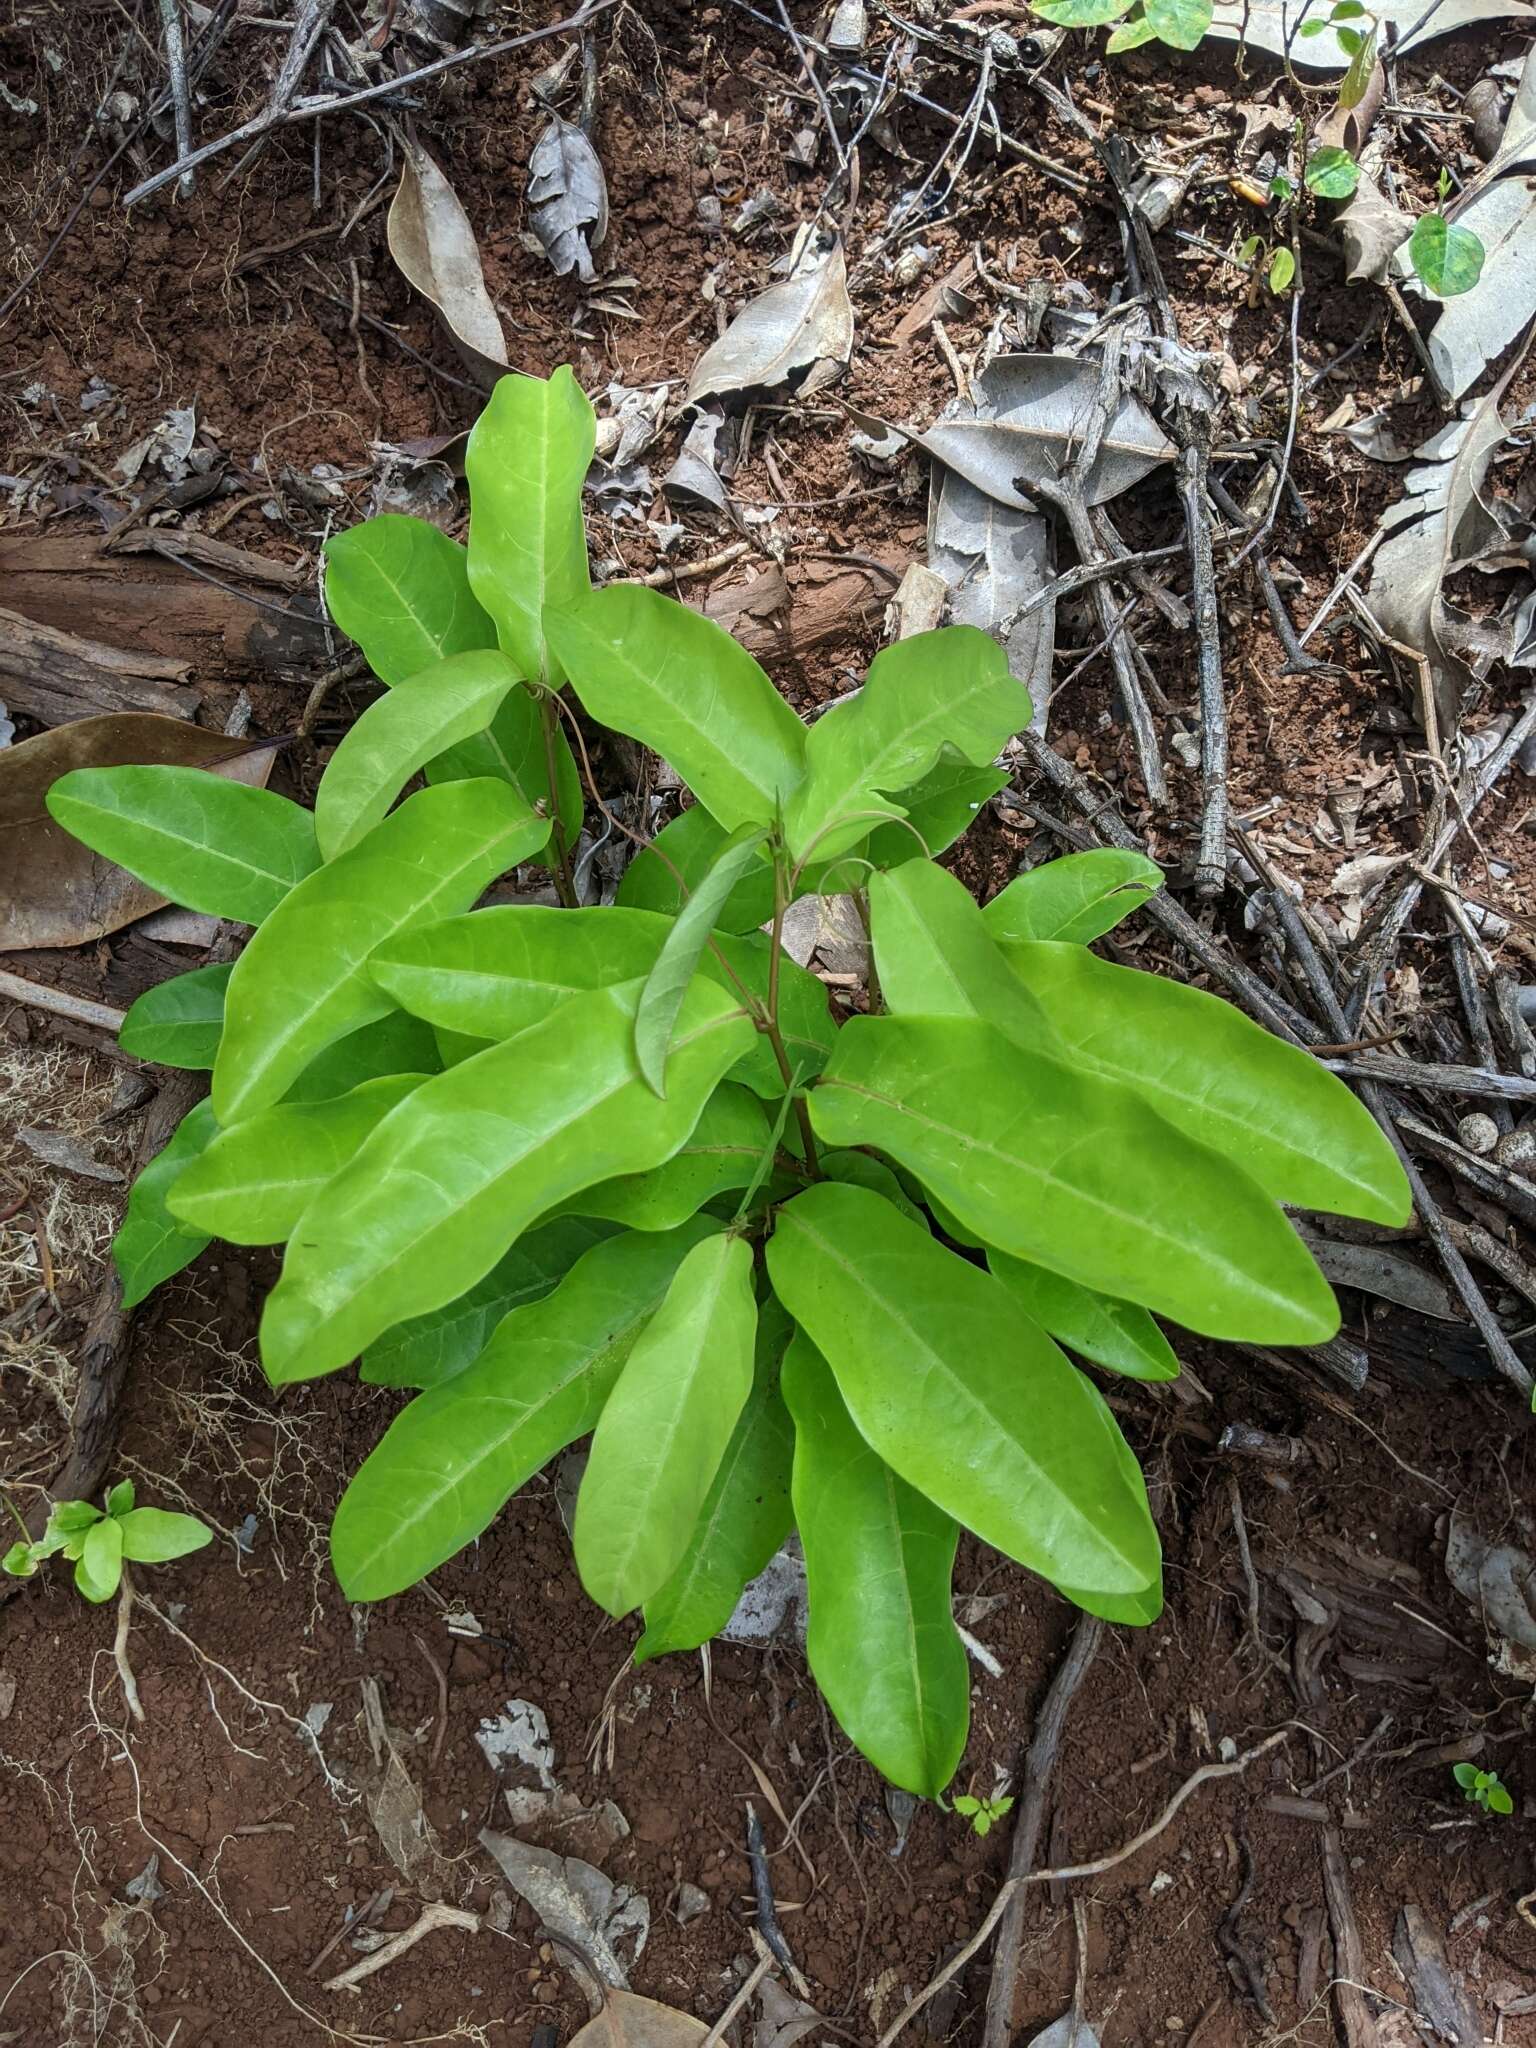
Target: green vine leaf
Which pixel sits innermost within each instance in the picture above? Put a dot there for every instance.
(1448, 259)
(1332, 173)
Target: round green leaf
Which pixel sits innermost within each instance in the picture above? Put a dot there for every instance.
(1081, 13)
(1332, 173)
(1180, 23)
(1448, 259)
(1282, 269)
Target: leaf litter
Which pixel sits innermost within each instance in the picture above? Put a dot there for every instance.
(431, 240)
(804, 324)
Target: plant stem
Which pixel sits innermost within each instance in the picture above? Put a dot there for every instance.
(565, 880)
(771, 1026)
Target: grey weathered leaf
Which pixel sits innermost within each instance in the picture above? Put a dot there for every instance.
(1271, 25)
(1499, 207)
(995, 560)
(1372, 230)
(567, 198)
(806, 319)
(432, 241)
(1441, 518)
(1031, 412)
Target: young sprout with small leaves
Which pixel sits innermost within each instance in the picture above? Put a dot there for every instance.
(100, 1541)
(1482, 1788)
(983, 1814)
(621, 1171)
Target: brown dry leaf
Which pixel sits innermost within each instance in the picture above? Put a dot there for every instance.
(53, 890)
(1371, 230)
(806, 320)
(629, 2021)
(432, 241)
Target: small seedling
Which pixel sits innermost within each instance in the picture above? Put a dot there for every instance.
(983, 1814)
(1482, 1788)
(100, 1541)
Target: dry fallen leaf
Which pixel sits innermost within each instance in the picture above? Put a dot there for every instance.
(1440, 519)
(808, 319)
(1030, 414)
(1371, 230)
(53, 890)
(567, 198)
(1273, 25)
(1499, 207)
(995, 560)
(577, 1901)
(432, 241)
(1499, 1581)
(628, 2021)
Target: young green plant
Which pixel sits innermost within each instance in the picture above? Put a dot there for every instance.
(1482, 1788)
(621, 1171)
(99, 1542)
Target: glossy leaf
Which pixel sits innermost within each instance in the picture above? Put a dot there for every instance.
(513, 749)
(526, 1124)
(151, 1244)
(155, 1536)
(1075, 899)
(178, 1023)
(1213, 1073)
(398, 735)
(1179, 23)
(100, 1565)
(1080, 13)
(302, 981)
(253, 1182)
(936, 958)
(691, 844)
(939, 807)
(450, 1460)
(120, 1498)
(1448, 259)
(1115, 1334)
(968, 1400)
(667, 983)
(647, 666)
(943, 690)
(392, 1044)
(665, 1427)
(862, 1170)
(430, 1349)
(199, 839)
(879, 1557)
(745, 1517)
(400, 588)
(723, 1152)
(1331, 172)
(1075, 1172)
(1130, 34)
(527, 458)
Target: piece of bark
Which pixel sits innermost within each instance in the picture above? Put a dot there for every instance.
(1444, 2009)
(56, 676)
(182, 545)
(1355, 2021)
(848, 603)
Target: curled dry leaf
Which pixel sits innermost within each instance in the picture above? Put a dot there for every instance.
(53, 890)
(629, 2021)
(1273, 25)
(805, 321)
(1371, 230)
(1499, 207)
(1031, 412)
(995, 561)
(434, 245)
(576, 1900)
(1440, 519)
(567, 198)
(1499, 1581)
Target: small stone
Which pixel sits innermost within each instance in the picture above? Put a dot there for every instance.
(1160, 1884)
(1517, 1151)
(1478, 1132)
(690, 1903)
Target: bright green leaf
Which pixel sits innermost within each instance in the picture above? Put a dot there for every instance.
(155, 1536)
(527, 458)
(667, 983)
(430, 1349)
(745, 1517)
(151, 1244)
(946, 689)
(665, 1427)
(1448, 259)
(1075, 899)
(200, 839)
(451, 1459)
(302, 982)
(513, 749)
(647, 666)
(1356, 81)
(1317, 26)
(879, 1557)
(968, 1400)
(1215, 1074)
(120, 1497)
(177, 1024)
(400, 588)
(1115, 1334)
(1332, 173)
(862, 1170)
(1282, 268)
(100, 1565)
(1075, 1172)
(723, 1152)
(398, 734)
(1080, 13)
(691, 843)
(1466, 1775)
(1130, 34)
(1180, 23)
(1499, 1800)
(526, 1124)
(253, 1182)
(20, 1561)
(392, 1044)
